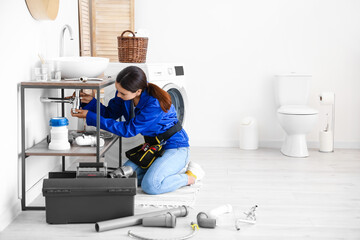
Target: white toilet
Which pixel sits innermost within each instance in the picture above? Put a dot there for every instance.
(295, 117)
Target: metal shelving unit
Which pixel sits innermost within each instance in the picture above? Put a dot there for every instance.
(41, 149)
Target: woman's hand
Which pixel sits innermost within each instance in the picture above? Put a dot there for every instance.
(80, 113)
(84, 97)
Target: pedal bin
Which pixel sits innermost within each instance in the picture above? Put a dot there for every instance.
(249, 139)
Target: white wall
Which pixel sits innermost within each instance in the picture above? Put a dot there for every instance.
(232, 49)
(22, 38)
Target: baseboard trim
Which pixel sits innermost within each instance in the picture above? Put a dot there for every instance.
(270, 144)
(7, 216)
(312, 144)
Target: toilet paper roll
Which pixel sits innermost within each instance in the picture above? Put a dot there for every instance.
(326, 141)
(327, 98)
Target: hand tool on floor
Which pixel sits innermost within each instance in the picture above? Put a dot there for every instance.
(250, 218)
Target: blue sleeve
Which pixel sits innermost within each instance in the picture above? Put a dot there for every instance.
(114, 110)
(146, 117)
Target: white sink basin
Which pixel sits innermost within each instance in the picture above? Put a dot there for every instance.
(75, 67)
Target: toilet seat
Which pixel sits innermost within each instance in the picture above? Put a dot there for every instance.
(297, 110)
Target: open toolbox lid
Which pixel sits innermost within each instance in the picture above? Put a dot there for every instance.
(89, 186)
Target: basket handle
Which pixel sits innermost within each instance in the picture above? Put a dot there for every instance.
(129, 32)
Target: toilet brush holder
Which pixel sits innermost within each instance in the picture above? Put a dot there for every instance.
(326, 136)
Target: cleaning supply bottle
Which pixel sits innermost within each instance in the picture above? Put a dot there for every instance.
(59, 134)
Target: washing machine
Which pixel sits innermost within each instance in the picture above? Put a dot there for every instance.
(168, 76)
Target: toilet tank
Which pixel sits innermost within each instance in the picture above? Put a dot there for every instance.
(292, 89)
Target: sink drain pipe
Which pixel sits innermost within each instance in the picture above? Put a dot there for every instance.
(137, 219)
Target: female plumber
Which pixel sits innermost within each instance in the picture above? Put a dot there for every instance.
(154, 114)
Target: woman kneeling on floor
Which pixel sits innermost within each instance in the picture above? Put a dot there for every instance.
(154, 115)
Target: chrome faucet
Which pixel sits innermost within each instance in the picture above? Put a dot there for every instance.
(62, 33)
(74, 100)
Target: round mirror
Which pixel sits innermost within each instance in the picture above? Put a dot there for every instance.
(43, 9)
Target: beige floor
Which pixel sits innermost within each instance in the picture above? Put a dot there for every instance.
(299, 198)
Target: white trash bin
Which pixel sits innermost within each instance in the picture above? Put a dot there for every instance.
(249, 139)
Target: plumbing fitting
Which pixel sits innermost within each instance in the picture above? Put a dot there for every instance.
(204, 221)
(250, 218)
(88, 140)
(216, 212)
(137, 219)
(166, 220)
(209, 220)
(122, 172)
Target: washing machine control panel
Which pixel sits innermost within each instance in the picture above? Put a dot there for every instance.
(162, 71)
(170, 71)
(155, 72)
(179, 70)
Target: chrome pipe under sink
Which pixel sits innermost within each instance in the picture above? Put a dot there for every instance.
(74, 100)
(56, 100)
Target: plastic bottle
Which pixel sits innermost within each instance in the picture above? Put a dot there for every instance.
(59, 134)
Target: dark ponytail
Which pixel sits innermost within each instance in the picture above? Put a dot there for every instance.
(161, 95)
(133, 78)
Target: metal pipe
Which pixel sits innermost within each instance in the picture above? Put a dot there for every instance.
(166, 220)
(137, 219)
(56, 100)
(75, 100)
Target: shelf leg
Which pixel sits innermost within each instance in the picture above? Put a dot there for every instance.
(62, 104)
(63, 115)
(98, 126)
(120, 151)
(63, 163)
(23, 183)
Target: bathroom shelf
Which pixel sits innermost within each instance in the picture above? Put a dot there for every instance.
(69, 84)
(41, 148)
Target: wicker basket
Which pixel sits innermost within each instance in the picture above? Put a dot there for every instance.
(132, 49)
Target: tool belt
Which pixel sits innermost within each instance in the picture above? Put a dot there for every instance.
(145, 154)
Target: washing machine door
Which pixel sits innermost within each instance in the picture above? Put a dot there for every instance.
(178, 99)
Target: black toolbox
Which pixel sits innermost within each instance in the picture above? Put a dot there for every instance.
(87, 200)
